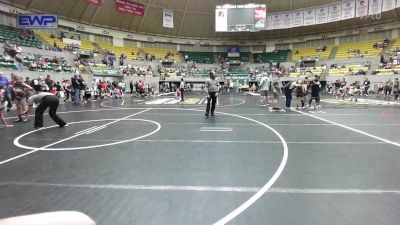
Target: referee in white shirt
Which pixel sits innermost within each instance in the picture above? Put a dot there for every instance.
(44, 100)
(182, 88)
(213, 86)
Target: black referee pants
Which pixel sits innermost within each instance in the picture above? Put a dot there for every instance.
(211, 101)
(52, 102)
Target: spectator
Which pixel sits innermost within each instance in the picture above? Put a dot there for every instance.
(75, 88)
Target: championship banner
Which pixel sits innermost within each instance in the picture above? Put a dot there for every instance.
(276, 21)
(309, 16)
(286, 20)
(348, 9)
(168, 18)
(335, 12)
(375, 7)
(361, 8)
(297, 18)
(322, 13)
(388, 5)
(221, 20)
(260, 17)
(268, 22)
(129, 6)
(96, 2)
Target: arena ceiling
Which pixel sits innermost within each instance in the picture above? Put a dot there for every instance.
(192, 18)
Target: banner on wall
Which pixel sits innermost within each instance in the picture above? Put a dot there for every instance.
(268, 22)
(398, 4)
(348, 9)
(168, 18)
(96, 2)
(388, 5)
(322, 13)
(276, 21)
(221, 19)
(309, 16)
(129, 6)
(375, 7)
(297, 18)
(335, 12)
(260, 17)
(361, 8)
(37, 21)
(286, 20)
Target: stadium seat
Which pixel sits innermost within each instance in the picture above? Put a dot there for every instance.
(307, 71)
(200, 57)
(299, 53)
(276, 56)
(11, 35)
(365, 47)
(345, 71)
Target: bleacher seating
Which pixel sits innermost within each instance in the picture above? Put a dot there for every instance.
(238, 73)
(128, 50)
(7, 63)
(245, 56)
(201, 73)
(276, 56)
(299, 53)
(115, 72)
(355, 68)
(396, 46)
(119, 50)
(383, 71)
(200, 57)
(85, 44)
(346, 51)
(161, 53)
(50, 41)
(11, 35)
(307, 71)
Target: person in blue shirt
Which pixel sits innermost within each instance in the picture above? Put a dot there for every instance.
(6, 84)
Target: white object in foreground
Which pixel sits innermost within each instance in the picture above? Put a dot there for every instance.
(51, 218)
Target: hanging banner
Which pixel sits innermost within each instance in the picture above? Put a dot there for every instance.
(286, 20)
(388, 5)
(276, 21)
(348, 9)
(297, 18)
(268, 22)
(168, 18)
(96, 2)
(129, 6)
(322, 13)
(221, 20)
(398, 4)
(260, 16)
(335, 12)
(309, 16)
(361, 8)
(375, 7)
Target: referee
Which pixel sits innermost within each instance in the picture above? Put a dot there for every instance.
(182, 89)
(44, 100)
(213, 86)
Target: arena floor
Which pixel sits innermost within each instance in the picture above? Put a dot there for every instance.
(155, 161)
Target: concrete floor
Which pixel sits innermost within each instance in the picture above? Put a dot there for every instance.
(153, 162)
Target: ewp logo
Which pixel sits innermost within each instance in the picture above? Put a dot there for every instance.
(37, 21)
